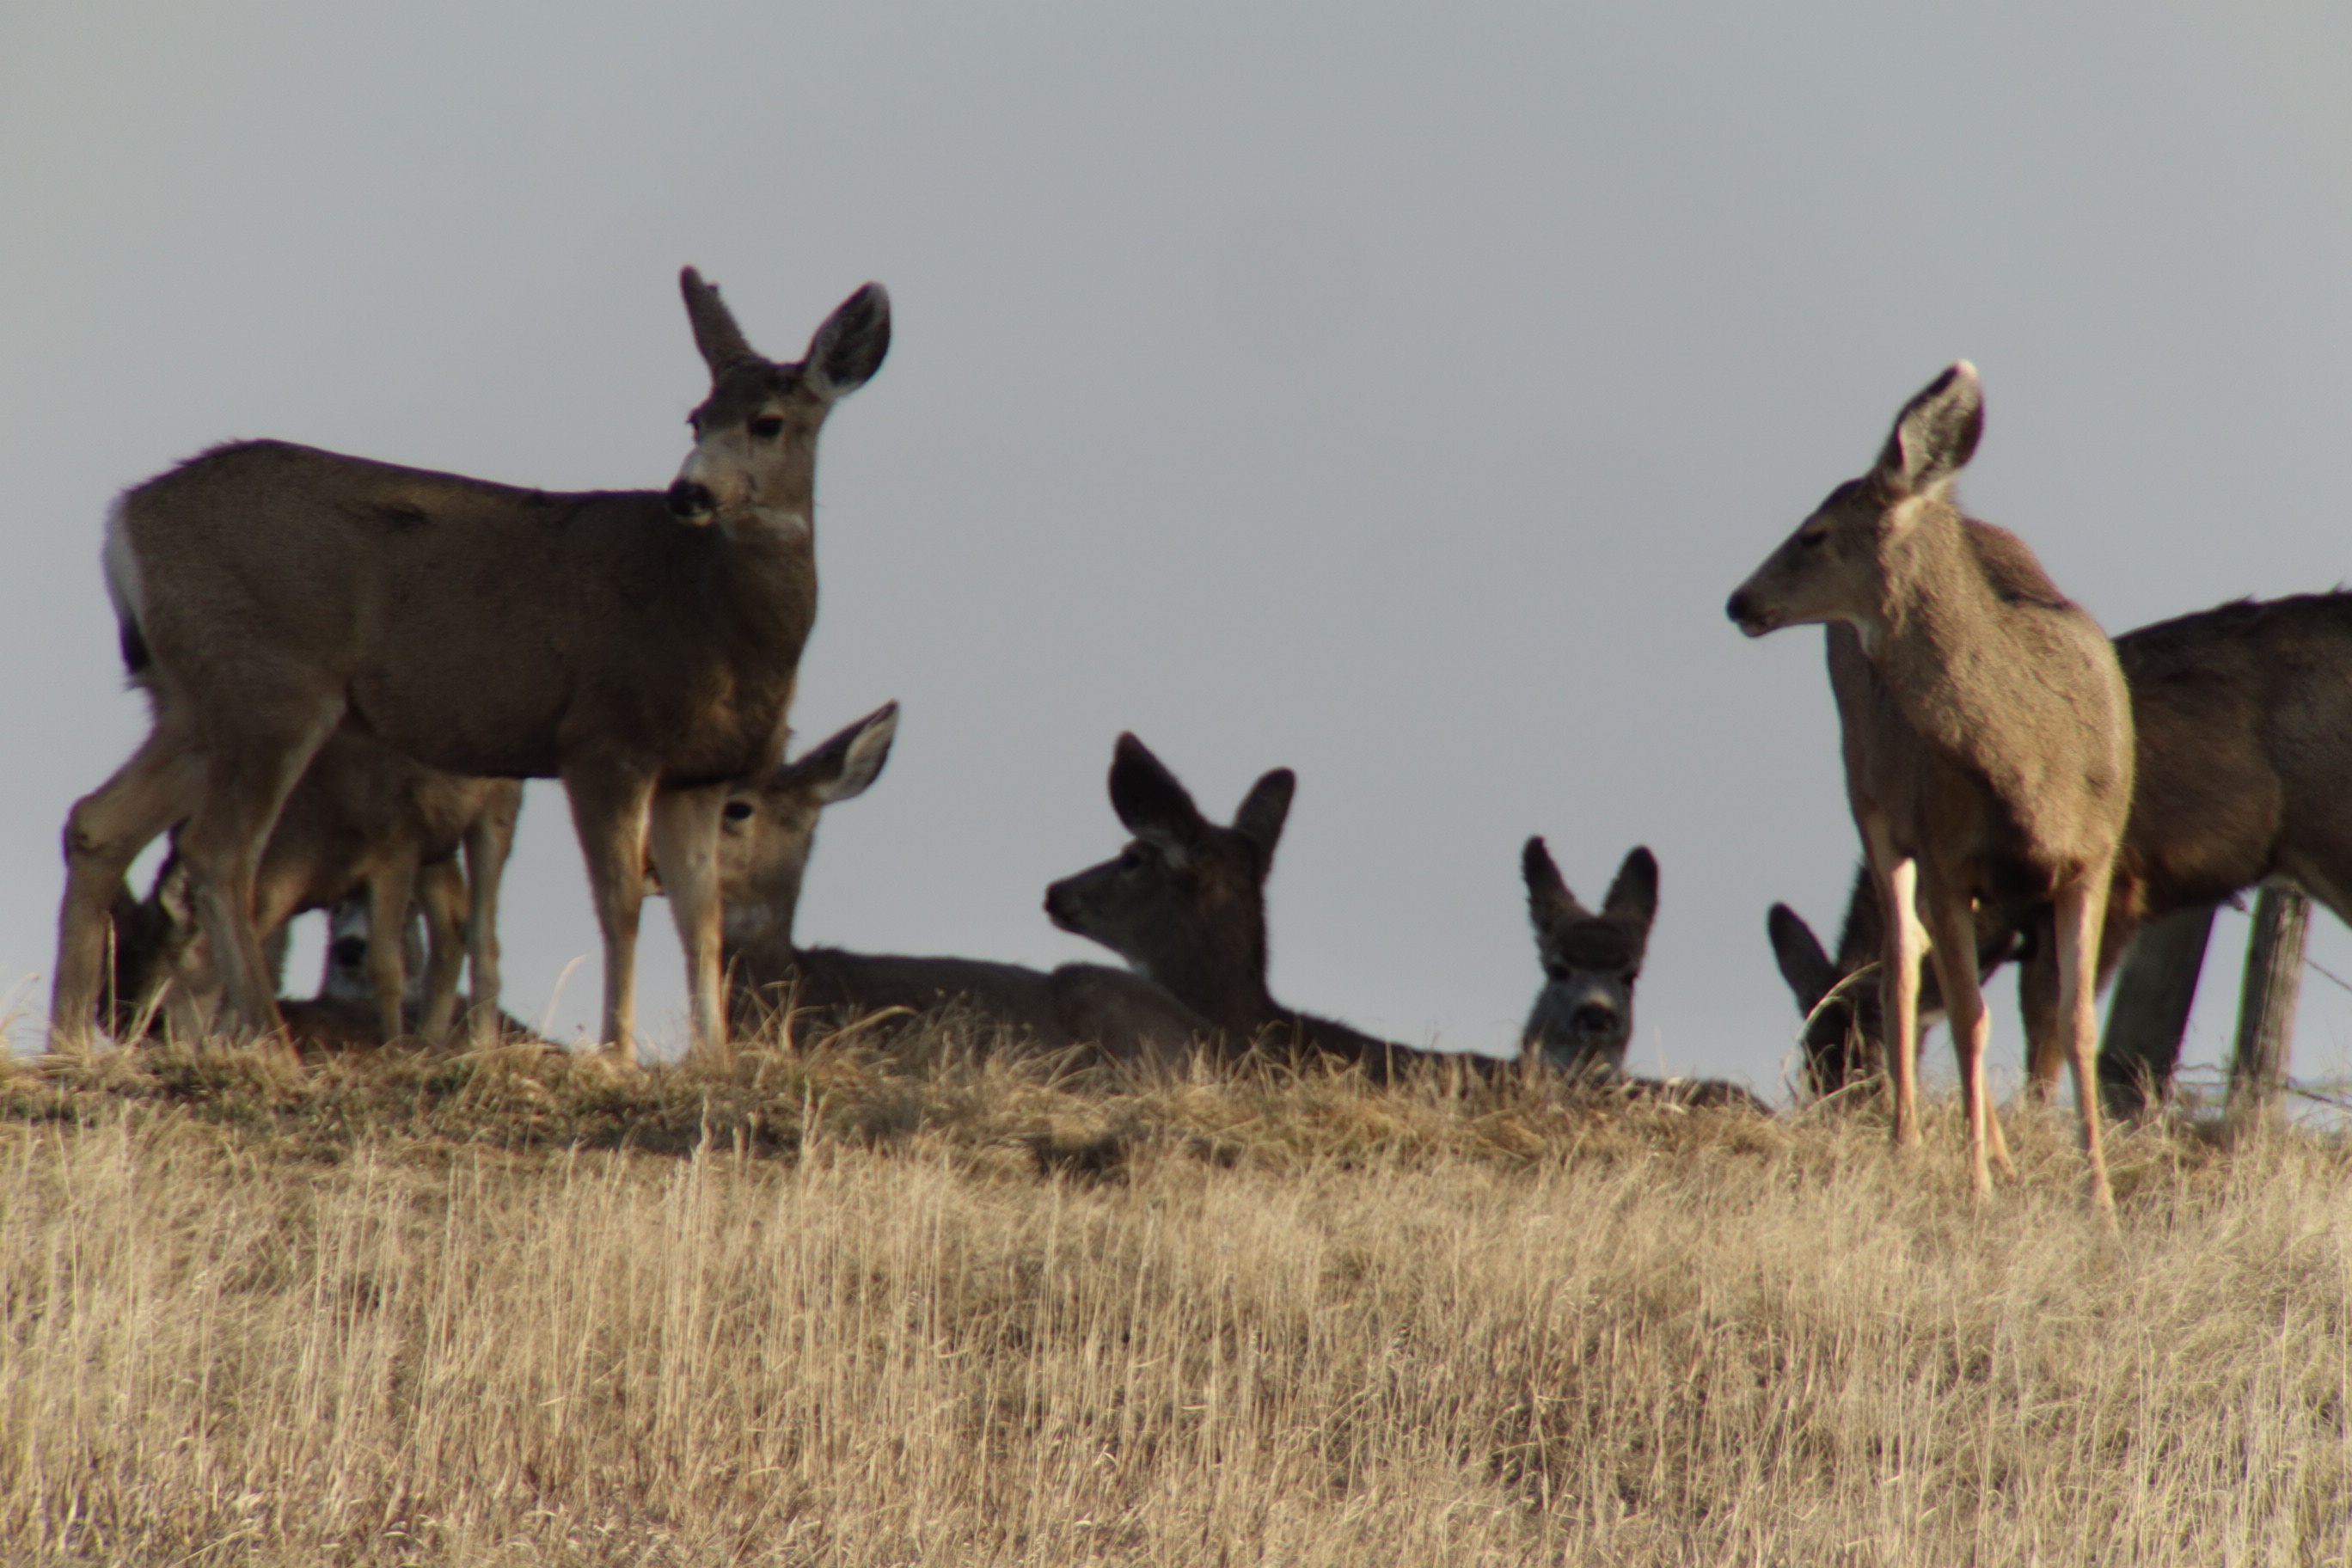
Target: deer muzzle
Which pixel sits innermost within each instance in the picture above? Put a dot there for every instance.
(690, 500)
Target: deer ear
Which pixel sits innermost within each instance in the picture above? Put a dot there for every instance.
(847, 764)
(716, 335)
(1264, 809)
(1936, 434)
(1803, 964)
(1633, 896)
(1547, 895)
(1148, 799)
(849, 348)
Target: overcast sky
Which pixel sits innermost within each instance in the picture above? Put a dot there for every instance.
(1391, 394)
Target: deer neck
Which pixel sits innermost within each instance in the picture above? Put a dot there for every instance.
(1225, 984)
(1939, 640)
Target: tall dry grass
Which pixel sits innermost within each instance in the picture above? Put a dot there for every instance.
(514, 1309)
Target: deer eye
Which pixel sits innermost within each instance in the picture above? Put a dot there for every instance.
(738, 811)
(768, 426)
(1814, 539)
(1131, 858)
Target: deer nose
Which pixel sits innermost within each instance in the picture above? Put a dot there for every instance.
(690, 501)
(351, 952)
(1748, 610)
(1594, 1018)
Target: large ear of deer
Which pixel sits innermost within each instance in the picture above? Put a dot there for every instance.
(268, 592)
(1632, 899)
(1804, 963)
(1936, 434)
(849, 763)
(1264, 809)
(1150, 801)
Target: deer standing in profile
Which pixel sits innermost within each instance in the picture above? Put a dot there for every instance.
(364, 822)
(1995, 761)
(1184, 903)
(2242, 718)
(640, 646)
(770, 828)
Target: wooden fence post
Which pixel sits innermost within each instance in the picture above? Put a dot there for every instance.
(2266, 1014)
(2154, 991)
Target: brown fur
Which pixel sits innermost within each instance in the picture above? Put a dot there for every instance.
(626, 643)
(1185, 903)
(770, 829)
(2241, 719)
(1991, 755)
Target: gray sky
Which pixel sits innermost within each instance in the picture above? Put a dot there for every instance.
(1392, 394)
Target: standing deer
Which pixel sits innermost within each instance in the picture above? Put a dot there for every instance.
(363, 822)
(2242, 719)
(770, 828)
(1994, 762)
(1184, 903)
(640, 646)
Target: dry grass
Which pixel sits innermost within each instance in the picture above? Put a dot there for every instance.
(521, 1309)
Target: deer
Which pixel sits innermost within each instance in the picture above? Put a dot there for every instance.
(1992, 760)
(365, 823)
(768, 828)
(1583, 1016)
(1845, 1023)
(1184, 904)
(640, 645)
(2239, 717)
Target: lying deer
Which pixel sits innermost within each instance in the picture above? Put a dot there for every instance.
(1184, 903)
(640, 646)
(769, 829)
(2241, 717)
(364, 822)
(1583, 1016)
(1992, 758)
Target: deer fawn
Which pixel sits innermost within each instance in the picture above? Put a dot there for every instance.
(365, 823)
(770, 828)
(1993, 759)
(641, 647)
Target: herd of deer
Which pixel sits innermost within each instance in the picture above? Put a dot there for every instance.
(351, 665)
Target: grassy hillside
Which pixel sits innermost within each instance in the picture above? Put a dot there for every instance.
(521, 1309)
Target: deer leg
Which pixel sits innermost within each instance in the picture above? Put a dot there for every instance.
(1954, 937)
(2081, 907)
(389, 892)
(247, 780)
(2037, 1004)
(685, 840)
(1898, 977)
(158, 787)
(489, 842)
(608, 811)
(441, 893)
